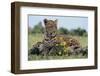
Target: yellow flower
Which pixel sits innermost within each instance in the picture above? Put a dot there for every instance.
(56, 44)
(61, 38)
(65, 50)
(59, 53)
(64, 43)
(61, 44)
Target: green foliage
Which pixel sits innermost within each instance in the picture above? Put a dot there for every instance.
(78, 32)
(38, 28)
(63, 30)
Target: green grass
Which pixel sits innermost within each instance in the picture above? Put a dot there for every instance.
(82, 39)
(39, 57)
(34, 38)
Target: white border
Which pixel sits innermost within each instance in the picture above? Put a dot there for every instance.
(25, 64)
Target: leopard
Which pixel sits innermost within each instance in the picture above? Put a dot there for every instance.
(51, 34)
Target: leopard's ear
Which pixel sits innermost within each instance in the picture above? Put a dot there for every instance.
(56, 20)
(56, 23)
(45, 21)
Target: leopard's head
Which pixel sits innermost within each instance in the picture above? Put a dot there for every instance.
(50, 27)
